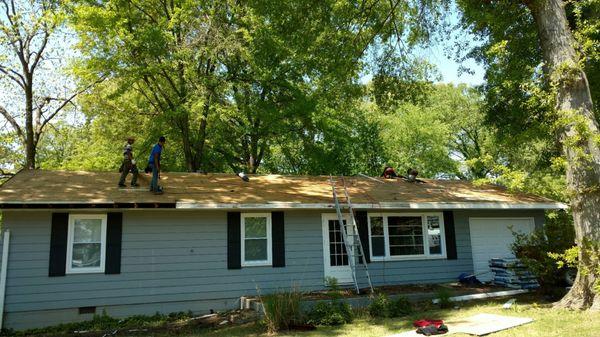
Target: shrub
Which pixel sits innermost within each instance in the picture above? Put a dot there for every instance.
(282, 310)
(443, 295)
(382, 306)
(103, 322)
(400, 307)
(539, 249)
(331, 313)
(379, 306)
(334, 287)
(332, 283)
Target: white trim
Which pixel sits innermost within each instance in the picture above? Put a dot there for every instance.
(3, 272)
(269, 260)
(426, 255)
(327, 268)
(375, 206)
(484, 295)
(298, 205)
(71, 233)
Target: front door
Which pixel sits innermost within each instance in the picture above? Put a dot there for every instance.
(335, 257)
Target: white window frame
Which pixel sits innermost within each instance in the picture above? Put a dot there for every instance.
(269, 260)
(426, 255)
(70, 237)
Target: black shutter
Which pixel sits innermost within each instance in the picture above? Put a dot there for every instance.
(363, 233)
(114, 231)
(234, 254)
(450, 235)
(58, 244)
(278, 236)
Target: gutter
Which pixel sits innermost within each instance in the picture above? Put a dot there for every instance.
(85, 205)
(374, 206)
(191, 205)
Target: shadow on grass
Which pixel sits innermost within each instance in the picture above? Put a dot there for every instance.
(364, 323)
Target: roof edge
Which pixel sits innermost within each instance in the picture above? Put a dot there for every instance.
(375, 206)
(183, 205)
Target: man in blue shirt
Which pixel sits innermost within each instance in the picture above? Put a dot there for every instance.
(154, 163)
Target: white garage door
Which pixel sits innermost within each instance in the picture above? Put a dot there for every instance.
(491, 238)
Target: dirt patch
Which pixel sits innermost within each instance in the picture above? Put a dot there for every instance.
(455, 288)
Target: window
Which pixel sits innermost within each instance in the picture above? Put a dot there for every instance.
(256, 239)
(377, 237)
(406, 236)
(86, 245)
(434, 237)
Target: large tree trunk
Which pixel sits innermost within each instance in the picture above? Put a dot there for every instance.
(578, 134)
(30, 146)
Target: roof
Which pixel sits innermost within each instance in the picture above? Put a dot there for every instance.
(44, 189)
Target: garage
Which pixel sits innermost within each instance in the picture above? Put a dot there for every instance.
(491, 238)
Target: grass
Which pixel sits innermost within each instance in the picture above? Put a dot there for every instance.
(548, 322)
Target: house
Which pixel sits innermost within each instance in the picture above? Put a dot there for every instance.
(78, 245)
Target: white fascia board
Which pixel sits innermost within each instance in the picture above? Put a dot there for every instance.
(269, 205)
(88, 202)
(383, 205)
(297, 205)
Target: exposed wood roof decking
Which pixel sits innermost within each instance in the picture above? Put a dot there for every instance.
(194, 190)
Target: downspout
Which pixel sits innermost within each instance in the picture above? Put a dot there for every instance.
(3, 271)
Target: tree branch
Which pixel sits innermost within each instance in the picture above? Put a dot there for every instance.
(68, 100)
(4, 174)
(13, 122)
(14, 76)
(40, 51)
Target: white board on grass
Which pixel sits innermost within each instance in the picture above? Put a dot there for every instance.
(484, 324)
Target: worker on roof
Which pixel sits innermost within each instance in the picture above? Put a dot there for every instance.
(154, 164)
(128, 164)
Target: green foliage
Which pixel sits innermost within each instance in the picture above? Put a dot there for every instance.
(331, 313)
(379, 306)
(442, 136)
(570, 258)
(443, 296)
(382, 306)
(567, 259)
(332, 283)
(242, 85)
(103, 322)
(282, 310)
(399, 307)
(538, 250)
(334, 290)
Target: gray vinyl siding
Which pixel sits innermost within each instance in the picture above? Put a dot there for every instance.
(442, 270)
(177, 261)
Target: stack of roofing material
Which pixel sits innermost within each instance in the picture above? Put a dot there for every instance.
(512, 273)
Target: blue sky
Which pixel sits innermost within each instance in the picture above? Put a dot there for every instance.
(449, 69)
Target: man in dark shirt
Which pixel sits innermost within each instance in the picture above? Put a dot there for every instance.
(128, 164)
(154, 163)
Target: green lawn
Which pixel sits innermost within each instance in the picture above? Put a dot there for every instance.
(548, 322)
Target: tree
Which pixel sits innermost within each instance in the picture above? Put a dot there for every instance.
(236, 83)
(579, 135)
(553, 98)
(26, 32)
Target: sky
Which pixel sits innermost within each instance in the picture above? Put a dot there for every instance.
(449, 69)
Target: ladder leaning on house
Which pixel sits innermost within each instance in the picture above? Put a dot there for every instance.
(350, 235)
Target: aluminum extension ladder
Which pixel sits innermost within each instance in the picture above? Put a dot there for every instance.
(350, 235)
